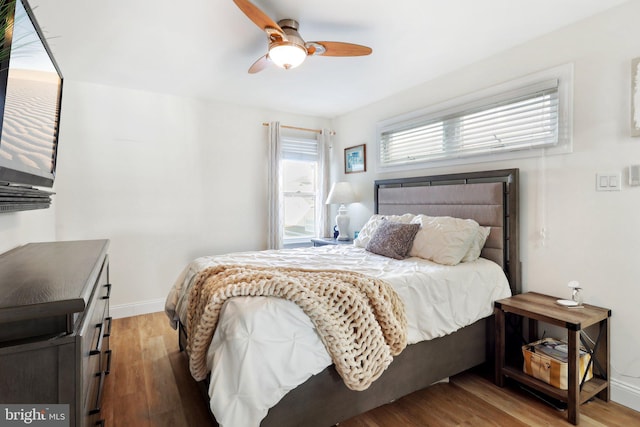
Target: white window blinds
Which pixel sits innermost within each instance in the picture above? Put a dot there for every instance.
(515, 120)
(299, 149)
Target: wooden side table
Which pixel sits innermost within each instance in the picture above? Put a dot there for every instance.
(538, 307)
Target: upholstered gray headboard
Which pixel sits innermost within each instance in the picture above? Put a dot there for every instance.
(489, 197)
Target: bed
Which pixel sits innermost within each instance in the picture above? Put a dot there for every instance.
(491, 199)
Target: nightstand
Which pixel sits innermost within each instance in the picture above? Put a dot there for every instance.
(323, 241)
(537, 307)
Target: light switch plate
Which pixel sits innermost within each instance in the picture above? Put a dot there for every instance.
(610, 181)
(634, 175)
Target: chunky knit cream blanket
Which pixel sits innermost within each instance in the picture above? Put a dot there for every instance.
(360, 320)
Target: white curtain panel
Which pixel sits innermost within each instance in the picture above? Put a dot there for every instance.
(275, 226)
(322, 210)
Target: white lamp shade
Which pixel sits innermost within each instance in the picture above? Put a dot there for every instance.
(341, 193)
(287, 55)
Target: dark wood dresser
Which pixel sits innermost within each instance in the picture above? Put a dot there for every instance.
(55, 326)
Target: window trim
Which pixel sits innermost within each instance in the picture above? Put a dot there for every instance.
(564, 75)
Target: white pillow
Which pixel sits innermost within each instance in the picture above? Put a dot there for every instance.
(370, 227)
(477, 244)
(444, 240)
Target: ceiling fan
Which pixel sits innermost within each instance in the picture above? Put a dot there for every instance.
(287, 49)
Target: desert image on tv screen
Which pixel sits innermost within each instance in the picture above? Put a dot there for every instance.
(30, 120)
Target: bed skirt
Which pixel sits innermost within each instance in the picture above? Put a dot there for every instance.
(323, 400)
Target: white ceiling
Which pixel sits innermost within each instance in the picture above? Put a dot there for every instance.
(203, 48)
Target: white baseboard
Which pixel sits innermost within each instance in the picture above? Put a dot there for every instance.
(625, 394)
(136, 308)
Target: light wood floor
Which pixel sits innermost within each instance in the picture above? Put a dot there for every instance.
(149, 385)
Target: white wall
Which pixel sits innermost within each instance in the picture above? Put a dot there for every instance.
(593, 237)
(167, 179)
(19, 228)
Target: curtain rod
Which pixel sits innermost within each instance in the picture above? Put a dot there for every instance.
(299, 128)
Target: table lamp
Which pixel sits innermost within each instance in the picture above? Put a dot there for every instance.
(341, 193)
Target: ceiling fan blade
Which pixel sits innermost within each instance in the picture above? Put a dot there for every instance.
(260, 18)
(337, 49)
(260, 64)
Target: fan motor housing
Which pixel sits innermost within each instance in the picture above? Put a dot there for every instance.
(290, 28)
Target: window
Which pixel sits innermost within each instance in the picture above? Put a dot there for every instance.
(525, 116)
(300, 189)
(297, 185)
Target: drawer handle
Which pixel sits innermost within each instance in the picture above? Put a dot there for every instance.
(108, 333)
(99, 396)
(108, 362)
(98, 348)
(100, 423)
(108, 286)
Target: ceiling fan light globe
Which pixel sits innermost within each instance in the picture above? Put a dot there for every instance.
(287, 55)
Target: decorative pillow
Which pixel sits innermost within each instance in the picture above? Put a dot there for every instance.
(367, 230)
(393, 239)
(444, 240)
(477, 244)
(370, 227)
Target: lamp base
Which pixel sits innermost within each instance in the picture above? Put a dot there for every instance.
(342, 221)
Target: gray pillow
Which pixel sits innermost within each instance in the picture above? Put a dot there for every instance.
(393, 239)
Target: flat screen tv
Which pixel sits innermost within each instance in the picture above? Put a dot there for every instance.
(30, 100)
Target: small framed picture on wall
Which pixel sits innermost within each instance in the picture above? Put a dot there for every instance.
(355, 159)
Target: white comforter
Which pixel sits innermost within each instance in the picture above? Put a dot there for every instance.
(263, 347)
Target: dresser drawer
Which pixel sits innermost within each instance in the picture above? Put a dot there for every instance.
(105, 363)
(92, 409)
(94, 355)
